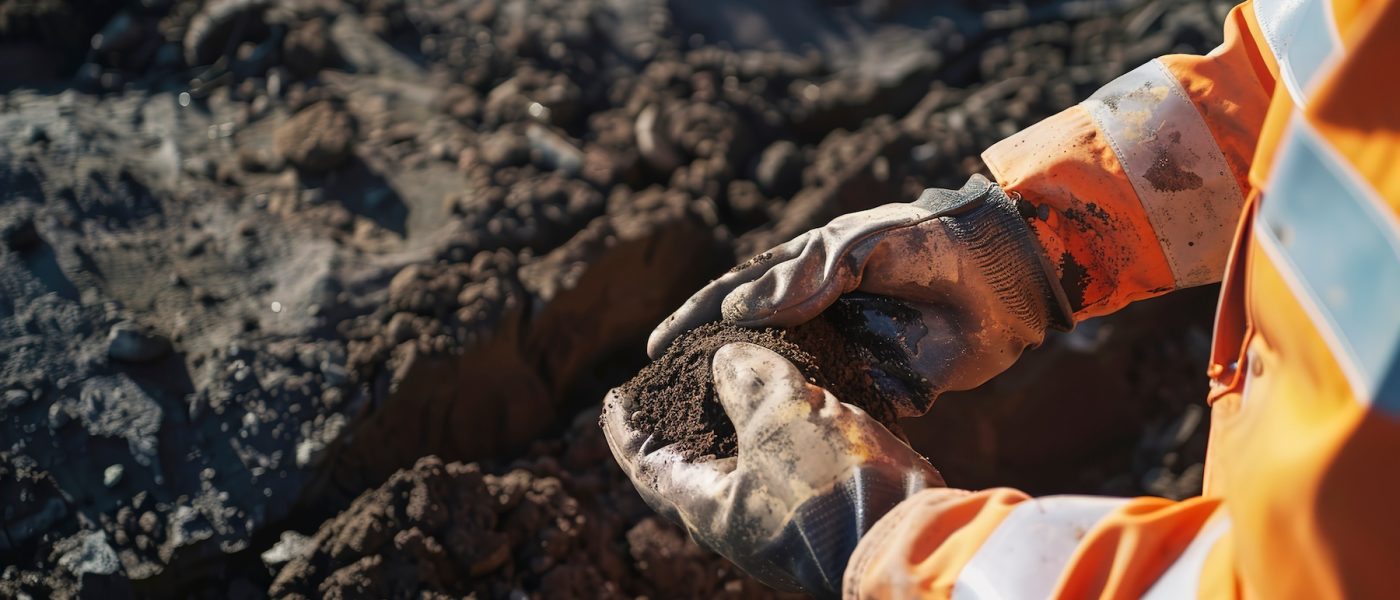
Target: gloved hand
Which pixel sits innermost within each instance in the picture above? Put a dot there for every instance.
(965, 260)
(812, 474)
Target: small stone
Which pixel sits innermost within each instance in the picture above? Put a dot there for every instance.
(317, 139)
(112, 475)
(13, 399)
(549, 150)
(89, 553)
(653, 143)
(130, 342)
(293, 545)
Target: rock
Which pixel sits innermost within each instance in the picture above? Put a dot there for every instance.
(779, 171)
(652, 141)
(19, 233)
(129, 342)
(551, 151)
(116, 407)
(210, 30)
(13, 399)
(89, 553)
(317, 139)
(293, 545)
(112, 475)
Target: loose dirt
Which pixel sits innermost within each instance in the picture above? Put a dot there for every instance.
(676, 400)
(560, 522)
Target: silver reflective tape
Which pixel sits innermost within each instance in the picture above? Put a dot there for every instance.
(1025, 555)
(1181, 178)
(1301, 35)
(1183, 578)
(1338, 246)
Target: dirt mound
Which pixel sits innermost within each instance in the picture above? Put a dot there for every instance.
(559, 523)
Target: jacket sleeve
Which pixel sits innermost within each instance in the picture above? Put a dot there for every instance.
(999, 543)
(1139, 187)
(1138, 190)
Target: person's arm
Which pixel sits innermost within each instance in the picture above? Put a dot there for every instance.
(1139, 187)
(1137, 191)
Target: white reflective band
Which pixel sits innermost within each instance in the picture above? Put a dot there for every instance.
(1302, 35)
(1338, 246)
(1183, 578)
(1181, 178)
(1023, 558)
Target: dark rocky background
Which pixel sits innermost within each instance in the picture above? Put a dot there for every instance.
(263, 263)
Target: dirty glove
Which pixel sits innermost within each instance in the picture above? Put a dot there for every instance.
(812, 474)
(965, 260)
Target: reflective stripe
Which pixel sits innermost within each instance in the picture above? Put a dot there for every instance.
(1183, 578)
(1024, 557)
(1339, 248)
(1176, 168)
(1302, 35)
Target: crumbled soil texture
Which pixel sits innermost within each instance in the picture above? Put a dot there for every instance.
(676, 396)
(561, 522)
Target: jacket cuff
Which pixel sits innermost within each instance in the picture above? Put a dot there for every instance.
(889, 532)
(1087, 215)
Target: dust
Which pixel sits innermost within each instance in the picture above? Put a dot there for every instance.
(1167, 175)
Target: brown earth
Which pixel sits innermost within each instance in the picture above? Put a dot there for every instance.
(675, 395)
(260, 258)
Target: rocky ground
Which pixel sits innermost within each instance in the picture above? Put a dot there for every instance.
(318, 298)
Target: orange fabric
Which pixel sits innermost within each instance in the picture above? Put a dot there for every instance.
(1230, 90)
(1355, 110)
(937, 531)
(1091, 224)
(1107, 563)
(1304, 471)
(1092, 228)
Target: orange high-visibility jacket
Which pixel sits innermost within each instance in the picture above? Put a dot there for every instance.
(1286, 140)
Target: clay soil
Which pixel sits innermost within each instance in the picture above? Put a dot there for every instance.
(319, 298)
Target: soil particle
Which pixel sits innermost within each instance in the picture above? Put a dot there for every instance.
(677, 401)
(1167, 175)
(756, 259)
(317, 139)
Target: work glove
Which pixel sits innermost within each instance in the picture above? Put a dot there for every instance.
(965, 261)
(812, 474)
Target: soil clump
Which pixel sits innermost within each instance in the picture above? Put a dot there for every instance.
(676, 396)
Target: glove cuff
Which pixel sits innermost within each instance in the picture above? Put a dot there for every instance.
(812, 550)
(988, 225)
